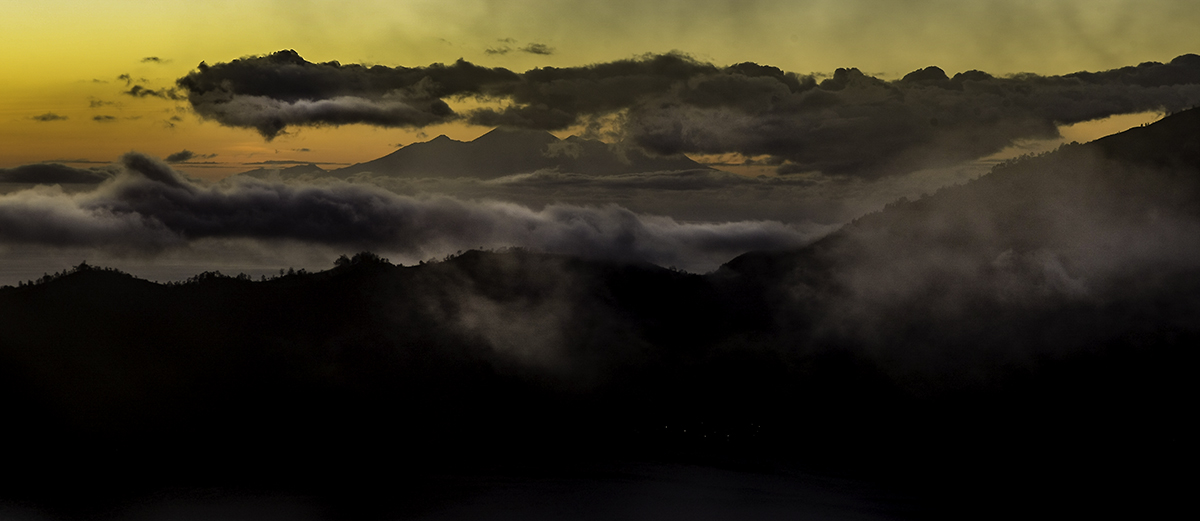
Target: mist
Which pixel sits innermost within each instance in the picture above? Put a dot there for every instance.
(150, 210)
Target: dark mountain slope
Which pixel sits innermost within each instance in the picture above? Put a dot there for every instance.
(1046, 307)
(1137, 190)
(1023, 340)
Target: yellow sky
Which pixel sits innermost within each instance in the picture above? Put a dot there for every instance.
(63, 57)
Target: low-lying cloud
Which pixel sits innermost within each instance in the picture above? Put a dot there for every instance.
(150, 208)
(810, 201)
(538, 48)
(953, 278)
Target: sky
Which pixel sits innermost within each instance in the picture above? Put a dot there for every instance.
(61, 57)
(84, 83)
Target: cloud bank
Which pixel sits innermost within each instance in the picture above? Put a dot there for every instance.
(270, 93)
(149, 208)
(848, 123)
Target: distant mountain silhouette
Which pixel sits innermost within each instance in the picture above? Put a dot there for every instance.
(286, 173)
(506, 151)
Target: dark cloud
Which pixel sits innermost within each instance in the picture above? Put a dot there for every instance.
(505, 47)
(104, 118)
(49, 116)
(152, 207)
(270, 93)
(809, 203)
(53, 173)
(855, 124)
(554, 98)
(139, 91)
(182, 155)
(154, 59)
(97, 103)
(186, 156)
(848, 123)
(929, 75)
(538, 48)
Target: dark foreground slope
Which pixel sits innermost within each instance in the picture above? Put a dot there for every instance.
(316, 382)
(1044, 314)
(1023, 341)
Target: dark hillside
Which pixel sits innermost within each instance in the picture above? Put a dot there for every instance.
(1022, 340)
(1045, 308)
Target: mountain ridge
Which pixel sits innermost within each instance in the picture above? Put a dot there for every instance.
(503, 151)
(1022, 340)
(1168, 150)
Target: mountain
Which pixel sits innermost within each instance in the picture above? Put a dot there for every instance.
(286, 173)
(1025, 340)
(506, 151)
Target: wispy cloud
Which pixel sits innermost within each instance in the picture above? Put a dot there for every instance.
(186, 155)
(49, 116)
(139, 91)
(538, 48)
(150, 207)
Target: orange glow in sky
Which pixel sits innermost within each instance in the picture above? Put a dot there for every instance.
(61, 61)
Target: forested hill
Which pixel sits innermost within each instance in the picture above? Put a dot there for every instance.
(529, 359)
(1027, 335)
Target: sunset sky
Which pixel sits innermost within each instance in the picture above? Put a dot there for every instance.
(85, 82)
(64, 58)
